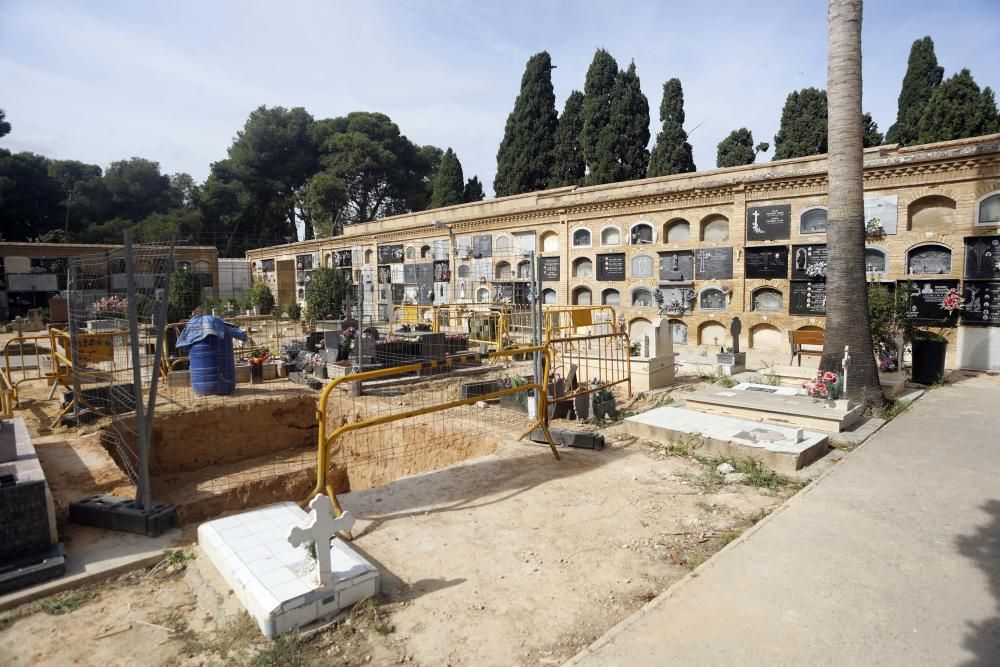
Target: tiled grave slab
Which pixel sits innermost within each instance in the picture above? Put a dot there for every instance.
(272, 578)
(716, 435)
(769, 389)
(800, 411)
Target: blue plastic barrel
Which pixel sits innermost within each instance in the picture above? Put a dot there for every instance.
(213, 369)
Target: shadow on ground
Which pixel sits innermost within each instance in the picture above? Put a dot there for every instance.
(983, 548)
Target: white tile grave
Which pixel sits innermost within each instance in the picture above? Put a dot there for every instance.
(279, 583)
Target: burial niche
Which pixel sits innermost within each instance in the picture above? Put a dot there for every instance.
(813, 221)
(641, 234)
(677, 231)
(765, 337)
(611, 297)
(934, 213)
(581, 238)
(503, 271)
(582, 296)
(642, 266)
(875, 261)
(583, 268)
(550, 242)
(549, 296)
(679, 332)
(715, 228)
(928, 260)
(767, 300)
(642, 298)
(611, 236)
(712, 298)
(988, 209)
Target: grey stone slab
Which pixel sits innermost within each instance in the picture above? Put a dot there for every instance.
(789, 410)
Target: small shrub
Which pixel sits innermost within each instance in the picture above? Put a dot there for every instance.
(65, 603)
(893, 409)
(184, 294)
(294, 310)
(726, 381)
(262, 298)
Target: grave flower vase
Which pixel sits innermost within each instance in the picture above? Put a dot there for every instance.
(928, 360)
(256, 373)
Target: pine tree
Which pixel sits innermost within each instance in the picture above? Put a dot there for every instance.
(923, 76)
(672, 152)
(449, 182)
(570, 167)
(527, 152)
(4, 125)
(803, 125)
(736, 150)
(473, 190)
(958, 109)
(630, 120)
(598, 135)
(872, 136)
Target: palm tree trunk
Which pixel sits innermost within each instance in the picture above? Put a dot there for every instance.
(847, 320)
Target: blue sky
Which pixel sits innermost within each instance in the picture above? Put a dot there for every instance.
(174, 81)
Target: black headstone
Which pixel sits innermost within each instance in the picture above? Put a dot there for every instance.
(713, 263)
(550, 269)
(982, 302)
(982, 257)
(924, 302)
(809, 262)
(677, 266)
(766, 262)
(769, 223)
(807, 298)
(611, 266)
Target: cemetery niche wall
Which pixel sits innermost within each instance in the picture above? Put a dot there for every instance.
(769, 223)
(677, 266)
(713, 263)
(766, 262)
(924, 302)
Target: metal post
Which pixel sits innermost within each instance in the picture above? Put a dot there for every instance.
(143, 497)
(159, 328)
(535, 275)
(74, 330)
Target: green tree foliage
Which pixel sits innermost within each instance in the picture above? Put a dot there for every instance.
(262, 297)
(326, 293)
(736, 149)
(872, 136)
(4, 125)
(449, 185)
(136, 188)
(958, 109)
(597, 137)
(29, 199)
(325, 199)
(630, 120)
(569, 166)
(923, 76)
(294, 310)
(527, 151)
(473, 190)
(803, 125)
(183, 294)
(672, 153)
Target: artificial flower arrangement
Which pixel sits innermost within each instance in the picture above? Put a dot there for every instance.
(827, 385)
(874, 228)
(110, 307)
(816, 270)
(258, 356)
(951, 303)
(674, 306)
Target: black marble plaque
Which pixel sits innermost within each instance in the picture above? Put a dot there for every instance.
(713, 263)
(807, 298)
(482, 246)
(503, 293)
(766, 262)
(809, 262)
(303, 262)
(398, 294)
(342, 258)
(267, 265)
(611, 266)
(677, 266)
(442, 271)
(409, 274)
(924, 301)
(550, 269)
(982, 302)
(425, 273)
(384, 275)
(425, 294)
(521, 293)
(982, 257)
(769, 223)
(390, 254)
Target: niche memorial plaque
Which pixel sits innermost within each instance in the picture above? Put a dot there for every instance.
(550, 269)
(390, 254)
(677, 266)
(442, 271)
(924, 302)
(769, 223)
(807, 298)
(982, 303)
(398, 293)
(982, 257)
(482, 246)
(611, 266)
(928, 260)
(766, 262)
(713, 263)
(809, 262)
(343, 258)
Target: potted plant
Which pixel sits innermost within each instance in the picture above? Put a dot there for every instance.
(604, 404)
(874, 229)
(930, 347)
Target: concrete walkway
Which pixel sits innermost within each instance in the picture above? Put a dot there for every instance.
(893, 558)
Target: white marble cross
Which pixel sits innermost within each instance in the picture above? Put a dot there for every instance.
(322, 524)
(844, 364)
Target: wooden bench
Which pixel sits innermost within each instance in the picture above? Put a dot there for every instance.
(798, 339)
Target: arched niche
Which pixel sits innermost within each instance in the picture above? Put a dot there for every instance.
(329, 260)
(425, 252)
(550, 242)
(549, 297)
(639, 329)
(642, 266)
(813, 220)
(876, 261)
(715, 228)
(464, 270)
(712, 333)
(611, 236)
(611, 297)
(369, 255)
(988, 209)
(583, 267)
(523, 270)
(503, 271)
(582, 296)
(411, 252)
(928, 259)
(765, 337)
(677, 230)
(767, 300)
(678, 331)
(934, 213)
(483, 295)
(712, 299)
(641, 233)
(502, 244)
(642, 297)
(581, 238)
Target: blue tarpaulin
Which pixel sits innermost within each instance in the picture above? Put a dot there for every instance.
(200, 327)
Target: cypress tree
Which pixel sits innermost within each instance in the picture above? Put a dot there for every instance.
(736, 150)
(923, 76)
(958, 109)
(598, 136)
(569, 167)
(449, 182)
(527, 152)
(630, 119)
(803, 125)
(473, 190)
(871, 137)
(672, 152)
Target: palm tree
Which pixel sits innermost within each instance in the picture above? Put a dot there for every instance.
(847, 320)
